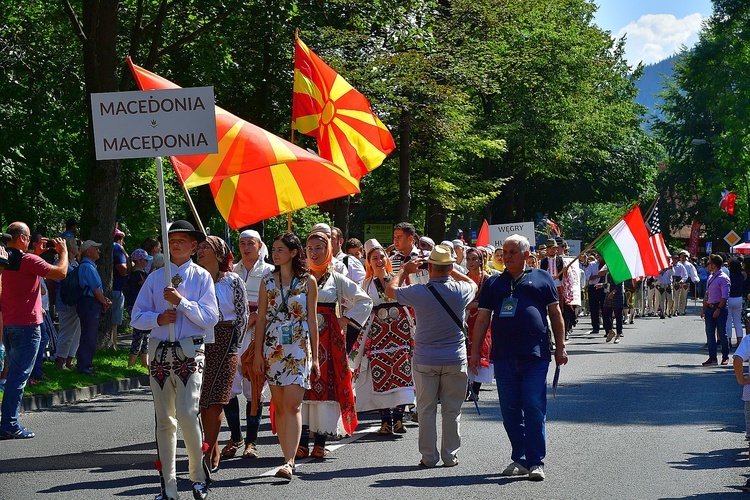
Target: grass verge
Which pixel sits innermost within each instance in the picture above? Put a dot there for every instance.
(108, 365)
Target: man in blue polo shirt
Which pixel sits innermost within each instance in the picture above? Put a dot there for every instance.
(518, 300)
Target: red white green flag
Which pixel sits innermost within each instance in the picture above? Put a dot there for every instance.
(626, 249)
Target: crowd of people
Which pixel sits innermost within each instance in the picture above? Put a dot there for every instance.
(342, 327)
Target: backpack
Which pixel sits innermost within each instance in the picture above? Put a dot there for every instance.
(70, 288)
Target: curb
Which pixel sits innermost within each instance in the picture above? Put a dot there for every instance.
(45, 401)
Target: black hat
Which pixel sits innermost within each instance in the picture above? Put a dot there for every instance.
(183, 226)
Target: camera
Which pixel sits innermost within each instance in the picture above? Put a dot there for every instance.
(49, 244)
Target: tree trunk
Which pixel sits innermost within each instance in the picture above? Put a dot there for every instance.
(341, 215)
(404, 174)
(99, 26)
(435, 221)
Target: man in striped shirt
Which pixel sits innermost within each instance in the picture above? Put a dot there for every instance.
(403, 241)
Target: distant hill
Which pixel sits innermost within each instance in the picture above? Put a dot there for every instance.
(652, 83)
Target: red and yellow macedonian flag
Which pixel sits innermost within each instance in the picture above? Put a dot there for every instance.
(326, 107)
(255, 175)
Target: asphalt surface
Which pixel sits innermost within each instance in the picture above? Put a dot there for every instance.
(642, 419)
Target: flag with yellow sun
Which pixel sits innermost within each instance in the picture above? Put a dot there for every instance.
(326, 107)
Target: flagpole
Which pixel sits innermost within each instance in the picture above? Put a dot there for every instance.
(591, 245)
(193, 209)
(291, 138)
(164, 234)
(651, 208)
(187, 196)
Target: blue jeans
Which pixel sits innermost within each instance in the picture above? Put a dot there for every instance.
(37, 371)
(711, 325)
(21, 346)
(522, 388)
(90, 313)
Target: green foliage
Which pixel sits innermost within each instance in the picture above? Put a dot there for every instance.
(516, 107)
(585, 221)
(705, 124)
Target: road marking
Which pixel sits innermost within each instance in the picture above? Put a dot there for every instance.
(331, 448)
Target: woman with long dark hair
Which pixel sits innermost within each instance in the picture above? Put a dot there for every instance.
(288, 354)
(475, 264)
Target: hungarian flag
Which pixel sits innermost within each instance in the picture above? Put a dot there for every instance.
(255, 175)
(626, 249)
(727, 201)
(326, 107)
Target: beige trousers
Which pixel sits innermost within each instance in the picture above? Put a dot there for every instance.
(448, 384)
(176, 387)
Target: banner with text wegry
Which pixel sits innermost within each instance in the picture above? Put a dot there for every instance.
(498, 232)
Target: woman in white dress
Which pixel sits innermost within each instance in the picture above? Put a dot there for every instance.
(288, 354)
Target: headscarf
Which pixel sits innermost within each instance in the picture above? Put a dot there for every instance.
(321, 268)
(222, 251)
(480, 254)
(252, 233)
(369, 271)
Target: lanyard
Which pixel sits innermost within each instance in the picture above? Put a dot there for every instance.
(283, 307)
(516, 282)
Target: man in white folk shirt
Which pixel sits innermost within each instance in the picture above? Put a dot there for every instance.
(353, 265)
(680, 285)
(176, 368)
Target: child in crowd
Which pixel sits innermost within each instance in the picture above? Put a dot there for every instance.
(137, 277)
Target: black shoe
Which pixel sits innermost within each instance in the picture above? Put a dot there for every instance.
(200, 491)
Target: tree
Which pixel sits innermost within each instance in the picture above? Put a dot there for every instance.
(705, 123)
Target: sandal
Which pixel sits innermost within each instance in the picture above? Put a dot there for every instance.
(230, 449)
(302, 452)
(251, 451)
(319, 452)
(285, 472)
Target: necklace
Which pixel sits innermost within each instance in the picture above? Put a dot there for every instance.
(322, 280)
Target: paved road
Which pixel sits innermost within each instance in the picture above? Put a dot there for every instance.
(642, 419)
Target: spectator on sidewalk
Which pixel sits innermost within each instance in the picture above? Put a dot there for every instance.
(90, 306)
(21, 305)
(69, 334)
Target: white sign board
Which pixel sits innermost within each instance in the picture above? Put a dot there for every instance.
(575, 247)
(151, 123)
(498, 232)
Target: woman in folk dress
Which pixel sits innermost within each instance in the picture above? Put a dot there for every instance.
(381, 358)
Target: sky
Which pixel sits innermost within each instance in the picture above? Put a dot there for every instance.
(654, 29)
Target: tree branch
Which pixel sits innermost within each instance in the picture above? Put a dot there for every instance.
(192, 35)
(76, 24)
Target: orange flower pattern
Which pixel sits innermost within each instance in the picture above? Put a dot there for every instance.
(287, 364)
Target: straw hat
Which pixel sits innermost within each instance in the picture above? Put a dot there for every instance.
(441, 255)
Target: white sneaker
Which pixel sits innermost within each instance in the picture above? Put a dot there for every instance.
(515, 469)
(536, 473)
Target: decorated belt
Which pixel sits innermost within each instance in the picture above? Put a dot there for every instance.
(166, 343)
(711, 305)
(225, 323)
(386, 305)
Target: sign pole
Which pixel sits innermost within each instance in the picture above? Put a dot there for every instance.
(164, 234)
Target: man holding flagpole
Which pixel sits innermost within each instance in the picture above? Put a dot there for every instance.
(176, 364)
